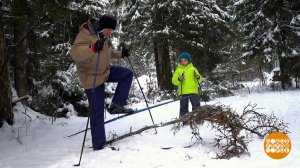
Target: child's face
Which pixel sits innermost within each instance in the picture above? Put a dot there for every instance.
(184, 61)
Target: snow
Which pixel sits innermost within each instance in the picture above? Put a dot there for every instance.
(239, 2)
(135, 16)
(62, 46)
(245, 54)
(44, 34)
(36, 142)
(267, 50)
(294, 52)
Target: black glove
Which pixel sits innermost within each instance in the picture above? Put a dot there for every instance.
(99, 45)
(125, 52)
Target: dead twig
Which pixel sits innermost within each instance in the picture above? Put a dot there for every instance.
(227, 124)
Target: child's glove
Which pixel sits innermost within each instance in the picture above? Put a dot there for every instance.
(181, 78)
(197, 76)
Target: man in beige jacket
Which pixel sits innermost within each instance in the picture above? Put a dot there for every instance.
(91, 43)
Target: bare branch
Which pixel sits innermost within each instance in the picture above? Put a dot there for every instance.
(227, 124)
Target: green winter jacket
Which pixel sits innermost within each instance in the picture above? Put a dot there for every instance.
(190, 84)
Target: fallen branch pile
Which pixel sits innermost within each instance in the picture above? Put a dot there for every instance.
(233, 131)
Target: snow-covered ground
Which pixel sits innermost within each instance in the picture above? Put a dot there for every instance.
(39, 144)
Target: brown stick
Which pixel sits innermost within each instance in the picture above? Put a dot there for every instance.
(19, 99)
(143, 129)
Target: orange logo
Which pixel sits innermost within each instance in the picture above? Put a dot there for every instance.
(277, 145)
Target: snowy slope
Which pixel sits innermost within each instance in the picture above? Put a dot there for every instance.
(46, 146)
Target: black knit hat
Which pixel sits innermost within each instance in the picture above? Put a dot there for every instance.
(107, 21)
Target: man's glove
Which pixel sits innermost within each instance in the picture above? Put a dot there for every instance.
(98, 46)
(197, 76)
(181, 78)
(125, 52)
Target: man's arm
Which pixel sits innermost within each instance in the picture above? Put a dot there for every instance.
(81, 48)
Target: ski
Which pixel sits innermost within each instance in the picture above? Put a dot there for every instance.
(138, 111)
(126, 115)
(109, 147)
(129, 114)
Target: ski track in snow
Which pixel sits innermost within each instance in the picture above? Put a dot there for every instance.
(46, 146)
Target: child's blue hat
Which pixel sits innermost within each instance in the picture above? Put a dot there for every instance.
(185, 55)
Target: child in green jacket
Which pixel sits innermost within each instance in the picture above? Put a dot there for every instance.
(187, 78)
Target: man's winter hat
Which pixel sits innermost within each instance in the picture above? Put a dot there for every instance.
(107, 21)
(185, 55)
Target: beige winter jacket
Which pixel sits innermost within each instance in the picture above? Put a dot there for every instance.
(86, 59)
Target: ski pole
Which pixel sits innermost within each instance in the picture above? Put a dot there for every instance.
(199, 88)
(88, 120)
(140, 88)
(91, 107)
(181, 85)
(198, 81)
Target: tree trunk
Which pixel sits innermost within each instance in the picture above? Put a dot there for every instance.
(161, 49)
(163, 64)
(5, 91)
(262, 78)
(290, 68)
(19, 61)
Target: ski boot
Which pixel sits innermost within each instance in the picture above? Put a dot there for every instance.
(119, 109)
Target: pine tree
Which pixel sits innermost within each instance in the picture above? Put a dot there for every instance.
(41, 33)
(5, 91)
(170, 27)
(270, 29)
